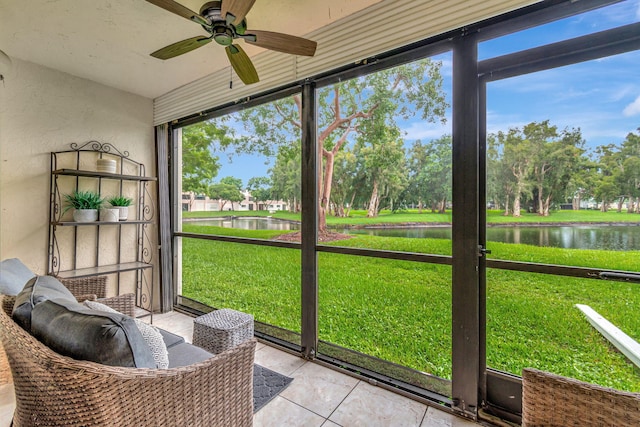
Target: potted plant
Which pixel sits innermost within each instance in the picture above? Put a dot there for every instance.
(122, 203)
(86, 205)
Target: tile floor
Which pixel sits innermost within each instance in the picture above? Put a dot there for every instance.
(318, 396)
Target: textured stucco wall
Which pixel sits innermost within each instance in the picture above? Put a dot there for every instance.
(44, 110)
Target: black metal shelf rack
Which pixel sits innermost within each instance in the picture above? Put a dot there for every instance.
(127, 241)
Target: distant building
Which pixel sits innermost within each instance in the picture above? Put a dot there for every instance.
(192, 203)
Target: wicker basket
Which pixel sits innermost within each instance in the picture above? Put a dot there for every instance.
(222, 329)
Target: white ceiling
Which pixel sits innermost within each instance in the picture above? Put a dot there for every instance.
(109, 41)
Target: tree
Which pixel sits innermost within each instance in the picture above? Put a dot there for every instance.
(555, 158)
(229, 189)
(199, 165)
(384, 167)
(260, 189)
(517, 158)
(500, 178)
(236, 182)
(430, 173)
(403, 91)
(619, 168)
(606, 192)
(630, 170)
(285, 178)
(542, 163)
(347, 182)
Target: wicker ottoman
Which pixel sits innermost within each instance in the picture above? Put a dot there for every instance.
(222, 329)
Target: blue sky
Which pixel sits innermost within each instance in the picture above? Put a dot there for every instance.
(600, 97)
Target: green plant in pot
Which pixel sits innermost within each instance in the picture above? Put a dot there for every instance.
(85, 204)
(122, 203)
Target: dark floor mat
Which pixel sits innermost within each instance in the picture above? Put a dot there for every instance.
(266, 385)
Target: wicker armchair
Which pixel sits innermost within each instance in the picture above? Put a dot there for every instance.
(54, 390)
(551, 400)
(86, 288)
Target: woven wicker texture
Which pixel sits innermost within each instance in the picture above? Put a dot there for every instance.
(96, 285)
(551, 400)
(222, 329)
(53, 390)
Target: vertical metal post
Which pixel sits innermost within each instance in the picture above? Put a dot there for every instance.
(465, 293)
(309, 227)
(482, 239)
(164, 219)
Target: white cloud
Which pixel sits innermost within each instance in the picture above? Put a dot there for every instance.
(426, 131)
(632, 109)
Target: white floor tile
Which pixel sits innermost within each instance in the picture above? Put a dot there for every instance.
(318, 388)
(7, 404)
(280, 412)
(278, 360)
(372, 406)
(436, 418)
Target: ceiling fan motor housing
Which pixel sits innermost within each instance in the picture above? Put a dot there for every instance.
(210, 8)
(223, 32)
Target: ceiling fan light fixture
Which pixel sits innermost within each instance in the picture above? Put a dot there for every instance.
(223, 36)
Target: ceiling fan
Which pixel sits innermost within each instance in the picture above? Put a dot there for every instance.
(225, 21)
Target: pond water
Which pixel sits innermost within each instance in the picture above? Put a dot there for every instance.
(605, 237)
(248, 223)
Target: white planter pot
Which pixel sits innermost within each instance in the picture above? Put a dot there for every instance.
(106, 165)
(124, 212)
(110, 215)
(85, 215)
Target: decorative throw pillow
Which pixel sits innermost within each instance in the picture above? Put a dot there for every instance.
(71, 329)
(36, 291)
(149, 333)
(13, 276)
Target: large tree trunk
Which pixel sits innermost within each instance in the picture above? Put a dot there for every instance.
(603, 207)
(541, 202)
(443, 206)
(506, 205)
(546, 206)
(620, 203)
(419, 206)
(516, 204)
(374, 201)
(325, 190)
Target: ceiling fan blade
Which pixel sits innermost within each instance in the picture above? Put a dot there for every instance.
(237, 8)
(181, 10)
(282, 42)
(242, 64)
(181, 47)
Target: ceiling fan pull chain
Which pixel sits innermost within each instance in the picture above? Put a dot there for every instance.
(230, 78)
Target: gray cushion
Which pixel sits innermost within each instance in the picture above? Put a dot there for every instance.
(71, 329)
(37, 290)
(13, 276)
(170, 339)
(186, 354)
(150, 334)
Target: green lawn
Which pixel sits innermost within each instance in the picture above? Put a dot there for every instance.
(401, 311)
